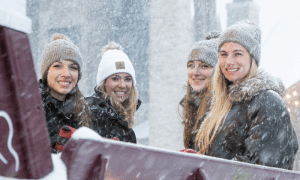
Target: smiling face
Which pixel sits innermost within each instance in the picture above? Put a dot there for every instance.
(118, 86)
(62, 77)
(234, 61)
(199, 74)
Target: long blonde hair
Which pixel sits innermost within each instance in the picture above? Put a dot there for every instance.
(127, 108)
(189, 115)
(220, 107)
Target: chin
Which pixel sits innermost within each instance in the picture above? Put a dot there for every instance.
(65, 92)
(198, 88)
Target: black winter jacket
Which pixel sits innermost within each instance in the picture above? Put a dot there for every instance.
(257, 129)
(194, 102)
(58, 113)
(109, 123)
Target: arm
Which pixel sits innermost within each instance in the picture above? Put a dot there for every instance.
(271, 139)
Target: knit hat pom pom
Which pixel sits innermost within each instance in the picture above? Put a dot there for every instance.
(213, 35)
(57, 36)
(111, 46)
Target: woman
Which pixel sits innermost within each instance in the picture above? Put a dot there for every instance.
(63, 102)
(200, 67)
(115, 100)
(248, 120)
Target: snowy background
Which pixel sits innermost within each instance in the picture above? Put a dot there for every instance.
(279, 22)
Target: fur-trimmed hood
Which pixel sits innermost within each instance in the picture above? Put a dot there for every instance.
(251, 87)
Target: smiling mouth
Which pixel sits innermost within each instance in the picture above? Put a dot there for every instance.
(120, 93)
(232, 70)
(64, 83)
(197, 80)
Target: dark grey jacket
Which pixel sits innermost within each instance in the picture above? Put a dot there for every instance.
(109, 123)
(194, 102)
(257, 129)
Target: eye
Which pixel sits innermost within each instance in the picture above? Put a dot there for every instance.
(74, 68)
(115, 78)
(238, 54)
(190, 65)
(56, 65)
(204, 66)
(224, 55)
(128, 79)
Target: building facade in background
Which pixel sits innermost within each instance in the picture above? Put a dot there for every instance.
(205, 18)
(242, 9)
(292, 100)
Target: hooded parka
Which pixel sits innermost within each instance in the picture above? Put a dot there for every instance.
(109, 123)
(58, 113)
(257, 129)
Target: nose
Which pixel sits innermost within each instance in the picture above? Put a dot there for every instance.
(122, 84)
(229, 61)
(197, 71)
(66, 72)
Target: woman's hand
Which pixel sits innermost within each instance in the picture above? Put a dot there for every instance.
(189, 151)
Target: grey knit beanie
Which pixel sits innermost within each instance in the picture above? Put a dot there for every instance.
(60, 48)
(247, 34)
(206, 50)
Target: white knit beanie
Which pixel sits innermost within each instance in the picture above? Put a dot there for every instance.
(247, 34)
(114, 60)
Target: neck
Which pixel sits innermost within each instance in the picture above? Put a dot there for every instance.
(61, 97)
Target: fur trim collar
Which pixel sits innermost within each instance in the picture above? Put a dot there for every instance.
(248, 89)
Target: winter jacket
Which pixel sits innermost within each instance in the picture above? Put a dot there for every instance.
(257, 129)
(109, 123)
(58, 113)
(194, 102)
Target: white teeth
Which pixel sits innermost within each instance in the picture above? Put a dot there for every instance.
(121, 93)
(64, 83)
(232, 69)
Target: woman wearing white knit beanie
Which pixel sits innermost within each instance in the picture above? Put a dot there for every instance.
(115, 100)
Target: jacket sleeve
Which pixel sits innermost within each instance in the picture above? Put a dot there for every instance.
(271, 138)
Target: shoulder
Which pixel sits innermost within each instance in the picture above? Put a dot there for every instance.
(270, 98)
(95, 100)
(256, 85)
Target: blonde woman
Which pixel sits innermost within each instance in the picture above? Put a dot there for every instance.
(248, 120)
(200, 67)
(116, 98)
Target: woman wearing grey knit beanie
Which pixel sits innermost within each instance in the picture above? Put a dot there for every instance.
(115, 100)
(63, 103)
(202, 59)
(248, 120)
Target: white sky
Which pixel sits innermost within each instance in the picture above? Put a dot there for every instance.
(280, 26)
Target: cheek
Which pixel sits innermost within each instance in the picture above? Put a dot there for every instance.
(129, 86)
(50, 77)
(222, 67)
(209, 73)
(75, 76)
(108, 86)
(189, 73)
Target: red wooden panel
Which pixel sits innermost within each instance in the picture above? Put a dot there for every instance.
(24, 142)
(90, 159)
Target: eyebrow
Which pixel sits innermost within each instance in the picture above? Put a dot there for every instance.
(237, 50)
